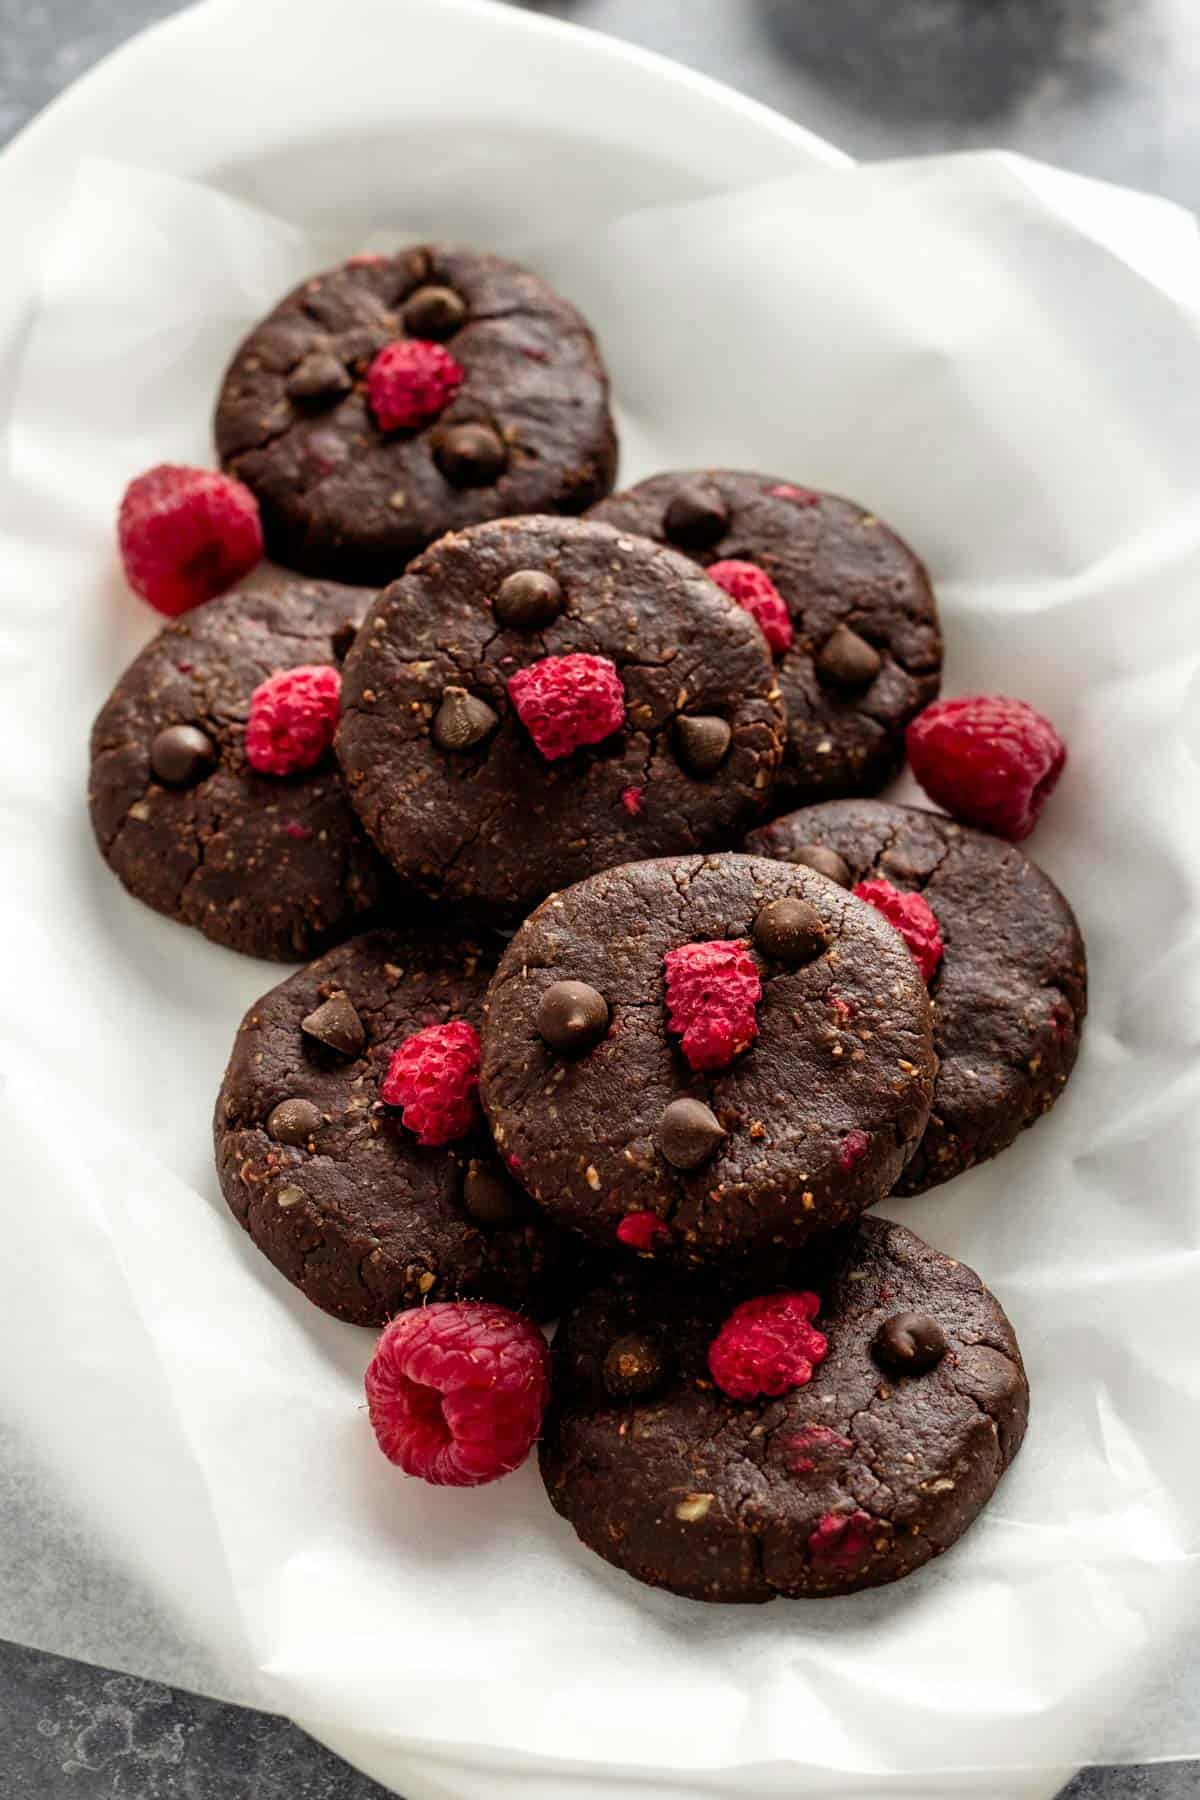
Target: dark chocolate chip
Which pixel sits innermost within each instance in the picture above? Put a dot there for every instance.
(470, 455)
(490, 1198)
(336, 1025)
(342, 640)
(847, 660)
(434, 312)
(790, 931)
(181, 755)
(688, 1133)
(572, 1017)
(528, 599)
(701, 743)
(825, 862)
(697, 517)
(634, 1366)
(319, 377)
(462, 720)
(294, 1121)
(909, 1344)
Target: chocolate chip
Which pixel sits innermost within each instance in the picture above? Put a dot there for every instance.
(528, 599)
(825, 862)
(319, 377)
(336, 1025)
(847, 660)
(434, 312)
(688, 1133)
(293, 1121)
(462, 720)
(701, 742)
(470, 455)
(790, 931)
(696, 517)
(342, 640)
(634, 1366)
(182, 755)
(572, 1017)
(490, 1197)
(909, 1344)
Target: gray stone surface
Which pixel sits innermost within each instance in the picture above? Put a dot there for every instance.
(1108, 87)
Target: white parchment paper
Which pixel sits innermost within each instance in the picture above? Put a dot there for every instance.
(1005, 363)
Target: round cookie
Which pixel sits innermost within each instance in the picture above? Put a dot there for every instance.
(443, 769)
(274, 866)
(334, 1189)
(528, 430)
(874, 1467)
(866, 654)
(622, 1137)
(1011, 992)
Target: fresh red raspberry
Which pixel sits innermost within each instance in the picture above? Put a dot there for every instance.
(843, 1539)
(293, 716)
(767, 1346)
(186, 535)
(567, 701)
(988, 760)
(456, 1391)
(641, 1230)
(813, 1447)
(756, 594)
(852, 1149)
(913, 918)
(411, 381)
(712, 991)
(434, 1076)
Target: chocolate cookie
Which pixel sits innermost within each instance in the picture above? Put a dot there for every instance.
(876, 1465)
(334, 1186)
(523, 426)
(275, 866)
(540, 698)
(866, 649)
(707, 1058)
(1011, 993)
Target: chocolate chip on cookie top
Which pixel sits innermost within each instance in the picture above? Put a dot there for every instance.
(756, 1067)
(214, 792)
(830, 1435)
(516, 711)
(392, 399)
(1010, 990)
(845, 605)
(350, 1142)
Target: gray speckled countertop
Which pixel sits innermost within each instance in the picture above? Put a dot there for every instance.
(1108, 87)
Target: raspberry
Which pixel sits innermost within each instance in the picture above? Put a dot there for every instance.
(988, 760)
(799, 496)
(756, 594)
(456, 1391)
(566, 701)
(293, 716)
(411, 381)
(852, 1149)
(913, 918)
(633, 799)
(843, 1539)
(640, 1229)
(767, 1346)
(186, 535)
(813, 1447)
(434, 1076)
(712, 991)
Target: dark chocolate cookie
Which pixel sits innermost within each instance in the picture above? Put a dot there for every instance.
(628, 651)
(528, 430)
(595, 1096)
(866, 654)
(874, 1467)
(1010, 996)
(329, 1182)
(276, 866)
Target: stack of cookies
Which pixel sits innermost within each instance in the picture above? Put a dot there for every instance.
(629, 1001)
